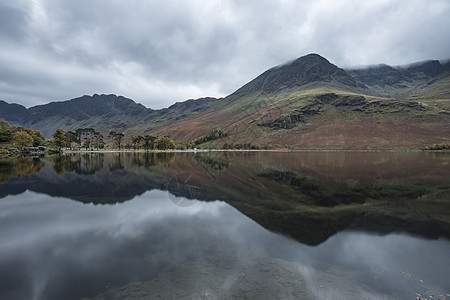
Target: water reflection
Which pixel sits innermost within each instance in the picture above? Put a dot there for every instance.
(10, 168)
(309, 196)
(354, 208)
(53, 248)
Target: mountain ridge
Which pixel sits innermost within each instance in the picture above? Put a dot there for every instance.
(391, 81)
(292, 93)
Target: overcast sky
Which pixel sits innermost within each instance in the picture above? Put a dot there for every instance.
(162, 51)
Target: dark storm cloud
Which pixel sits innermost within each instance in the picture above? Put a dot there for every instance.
(159, 52)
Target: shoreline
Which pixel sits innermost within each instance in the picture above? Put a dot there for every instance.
(5, 153)
(281, 150)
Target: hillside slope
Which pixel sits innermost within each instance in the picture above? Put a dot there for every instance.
(311, 103)
(305, 103)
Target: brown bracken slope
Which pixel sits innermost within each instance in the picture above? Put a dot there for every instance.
(311, 103)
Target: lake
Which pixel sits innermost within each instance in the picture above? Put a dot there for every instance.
(226, 225)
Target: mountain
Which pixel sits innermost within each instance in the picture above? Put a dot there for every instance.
(103, 112)
(87, 107)
(310, 102)
(303, 71)
(99, 111)
(14, 113)
(307, 102)
(387, 81)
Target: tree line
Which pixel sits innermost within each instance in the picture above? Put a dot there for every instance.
(90, 139)
(87, 138)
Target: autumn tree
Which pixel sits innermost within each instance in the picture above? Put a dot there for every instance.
(165, 143)
(182, 145)
(59, 138)
(6, 131)
(36, 135)
(23, 139)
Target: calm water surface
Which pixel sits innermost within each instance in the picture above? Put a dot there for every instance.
(337, 225)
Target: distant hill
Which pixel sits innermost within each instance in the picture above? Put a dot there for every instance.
(103, 112)
(387, 81)
(13, 113)
(304, 103)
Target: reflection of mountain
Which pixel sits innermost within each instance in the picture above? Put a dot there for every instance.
(309, 196)
(94, 178)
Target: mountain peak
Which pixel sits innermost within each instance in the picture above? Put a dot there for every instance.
(304, 70)
(313, 57)
(429, 67)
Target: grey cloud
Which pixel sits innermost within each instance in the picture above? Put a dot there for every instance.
(159, 52)
(12, 20)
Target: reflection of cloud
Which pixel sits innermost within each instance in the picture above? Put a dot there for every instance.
(54, 245)
(52, 234)
(379, 261)
(324, 286)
